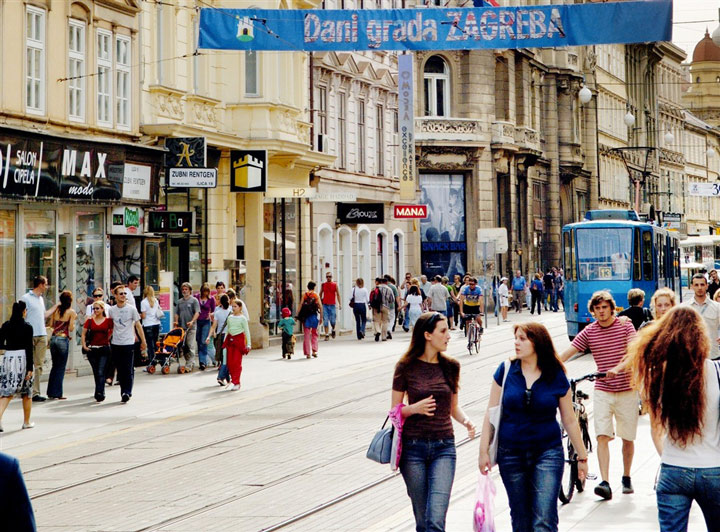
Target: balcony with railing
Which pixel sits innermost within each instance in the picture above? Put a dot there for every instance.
(441, 130)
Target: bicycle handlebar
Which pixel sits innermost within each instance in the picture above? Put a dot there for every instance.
(590, 377)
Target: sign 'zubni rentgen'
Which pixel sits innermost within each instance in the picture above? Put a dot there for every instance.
(436, 28)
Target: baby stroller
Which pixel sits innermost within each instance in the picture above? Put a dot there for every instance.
(169, 348)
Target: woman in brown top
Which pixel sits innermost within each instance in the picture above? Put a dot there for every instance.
(62, 322)
(430, 380)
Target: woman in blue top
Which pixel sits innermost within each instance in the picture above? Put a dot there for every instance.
(530, 454)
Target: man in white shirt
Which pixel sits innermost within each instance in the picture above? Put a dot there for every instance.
(424, 285)
(126, 325)
(36, 317)
(708, 309)
(438, 296)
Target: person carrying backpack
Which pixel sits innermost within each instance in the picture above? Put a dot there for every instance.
(380, 300)
(310, 315)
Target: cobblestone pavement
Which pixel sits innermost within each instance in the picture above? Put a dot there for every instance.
(285, 452)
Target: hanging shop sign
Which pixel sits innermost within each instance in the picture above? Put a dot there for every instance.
(248, 171)
(185, 152)
(127, 221)
(436, 29)
(361, 213)
(171, 222)
(410, 211)
(193, 177)
(136, 182)
(406, 127)
(56, 168)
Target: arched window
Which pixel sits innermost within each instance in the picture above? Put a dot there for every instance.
(437, 87)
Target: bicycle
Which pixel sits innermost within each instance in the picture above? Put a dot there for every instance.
(473, 332)
(571, 481)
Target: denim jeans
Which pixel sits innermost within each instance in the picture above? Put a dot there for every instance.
(532, 480)
(59, 348)
(360, 312)
(151, 337)
(428, 468)
(678, 487)
(122, 357)
(329, 315)
(203, 328)
(98, 358)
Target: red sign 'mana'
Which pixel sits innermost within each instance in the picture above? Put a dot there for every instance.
(410, 211)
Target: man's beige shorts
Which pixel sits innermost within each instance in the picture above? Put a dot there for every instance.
(622, 405)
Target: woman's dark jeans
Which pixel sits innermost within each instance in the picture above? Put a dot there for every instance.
(59, 348)
(678, 487)
(532, 481)
(360, 312)
(98, 358)
(151, 336)
(428, 468)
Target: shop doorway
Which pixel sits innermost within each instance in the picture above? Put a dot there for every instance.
(179, 261)
(345, 277)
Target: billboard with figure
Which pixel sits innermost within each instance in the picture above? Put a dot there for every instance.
(442, 232)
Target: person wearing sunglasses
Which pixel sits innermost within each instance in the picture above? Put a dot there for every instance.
(96, 336)
(429, 380)
(530, 454)
(97, 295)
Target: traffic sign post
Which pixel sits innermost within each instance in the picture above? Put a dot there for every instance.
(491, 241)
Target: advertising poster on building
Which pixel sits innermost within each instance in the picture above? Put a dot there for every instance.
(442, 232)
(406, 127)
(164, 297)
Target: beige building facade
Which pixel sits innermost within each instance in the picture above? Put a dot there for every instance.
(77, 177)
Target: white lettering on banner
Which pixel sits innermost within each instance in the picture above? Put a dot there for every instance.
(507, 24)
(69, 164)
(356, 213)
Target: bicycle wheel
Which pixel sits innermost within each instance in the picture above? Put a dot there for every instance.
(570, 476)
(471, 332)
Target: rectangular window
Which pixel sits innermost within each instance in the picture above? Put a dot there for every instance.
(380, 139)
(35, 60)
(251, 74)
(341, 136)
(647, 256)
(636, 256)
(104, 78)
(567, 253)
(361, 136)
(604, 254)
(322, 119)
(76, 70)
(123, 96)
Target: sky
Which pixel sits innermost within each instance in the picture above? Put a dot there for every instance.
(686, 32)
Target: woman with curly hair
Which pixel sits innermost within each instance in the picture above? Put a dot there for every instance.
(670, 366)
(430, 381)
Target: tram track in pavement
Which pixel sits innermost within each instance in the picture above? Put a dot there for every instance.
(327, 504)
(467, 362)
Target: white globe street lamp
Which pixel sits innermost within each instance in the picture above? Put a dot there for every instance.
(629, 119)
(716, 34)
(710, 153)
(669, 138)
(585, 95)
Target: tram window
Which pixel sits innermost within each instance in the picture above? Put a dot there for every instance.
(636, 256)
(659, 242)
(604, 254)
(567, 252)
(647, 256)
(573, 252)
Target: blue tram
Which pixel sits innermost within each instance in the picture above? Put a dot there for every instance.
(613, 250)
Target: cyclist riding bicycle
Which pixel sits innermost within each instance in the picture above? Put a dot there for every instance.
(471, 302)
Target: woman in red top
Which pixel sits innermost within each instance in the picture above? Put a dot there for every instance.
(96, 336)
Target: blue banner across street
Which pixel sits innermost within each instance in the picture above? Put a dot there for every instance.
(436, 28)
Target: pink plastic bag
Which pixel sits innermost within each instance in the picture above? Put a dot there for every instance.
(484, 514)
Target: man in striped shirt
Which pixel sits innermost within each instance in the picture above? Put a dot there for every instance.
(607, 339)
